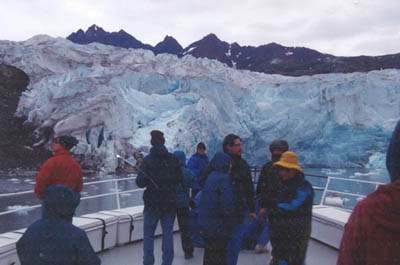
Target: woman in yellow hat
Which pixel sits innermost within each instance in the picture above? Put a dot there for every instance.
(290, 217)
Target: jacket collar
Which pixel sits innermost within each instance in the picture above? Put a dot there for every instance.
(62, 152)
(158, 150)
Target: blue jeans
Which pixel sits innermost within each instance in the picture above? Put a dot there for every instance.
(264, 237)
(151, 219)
(235, 244)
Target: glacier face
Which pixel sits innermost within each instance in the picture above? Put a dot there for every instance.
(332, 120)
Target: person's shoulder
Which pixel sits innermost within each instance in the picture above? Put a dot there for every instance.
(213, 176)
(147, 158)
(195, 156)
(74, 161)
(268, 165)
(219, 177)
(36, 226)
(243, 162)
(381, 196)
(51, 160)
(75, 230)
(306, 187)
(172, 157)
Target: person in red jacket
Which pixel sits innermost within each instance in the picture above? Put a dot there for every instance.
(61, 169)
(372, 234)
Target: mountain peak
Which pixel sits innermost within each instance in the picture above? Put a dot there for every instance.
(169, 38)
(94, 28)
(96, 34)
(271, 58)
(168, 45)
(211, 37)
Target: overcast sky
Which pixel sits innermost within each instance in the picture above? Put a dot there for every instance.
(338, 27)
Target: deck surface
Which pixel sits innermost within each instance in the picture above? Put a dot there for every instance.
(317, 254)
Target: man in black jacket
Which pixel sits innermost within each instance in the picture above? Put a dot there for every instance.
(243, 190)
(269, 180)
(160, 172)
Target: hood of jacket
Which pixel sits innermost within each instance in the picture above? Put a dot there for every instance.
(181, 157)
(384, 206)
(221, 162)
(61, 201)
(393, 155)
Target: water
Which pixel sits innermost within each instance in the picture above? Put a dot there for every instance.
(17, 181)
(25, 181)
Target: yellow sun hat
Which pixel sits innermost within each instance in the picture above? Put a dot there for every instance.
(289, 160)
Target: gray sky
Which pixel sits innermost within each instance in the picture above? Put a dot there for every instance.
(338, 27)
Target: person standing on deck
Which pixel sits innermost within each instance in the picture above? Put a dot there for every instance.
(269, 180)
(372, 233)
(53, 239)
(61, 169)
(160, 172)
(197, 163)
(290, 214)
(217, 216)
(182, 205)
(243, 191)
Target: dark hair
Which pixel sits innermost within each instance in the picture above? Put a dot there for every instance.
(67, 141)
(201, 145)
(157, 137)
(279, 144)
(229, 139)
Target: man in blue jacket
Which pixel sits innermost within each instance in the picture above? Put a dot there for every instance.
(217, 217)
(160, 172)
(53, 239)
(243, 190)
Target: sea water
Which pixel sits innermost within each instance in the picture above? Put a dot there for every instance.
(23, 180)
(19, 181)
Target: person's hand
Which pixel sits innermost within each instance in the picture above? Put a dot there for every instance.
(263, 212)
(192, 204)
(252, 216)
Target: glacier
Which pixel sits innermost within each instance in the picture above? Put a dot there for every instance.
(120, 95)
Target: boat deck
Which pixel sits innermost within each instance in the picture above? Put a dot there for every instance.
(317, 254)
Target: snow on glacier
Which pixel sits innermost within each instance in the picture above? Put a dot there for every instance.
(334, 120)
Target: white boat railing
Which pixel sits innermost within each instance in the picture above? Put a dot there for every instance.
(117, 193)
(325, 189)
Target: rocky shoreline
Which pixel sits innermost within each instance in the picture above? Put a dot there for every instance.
(17, 138)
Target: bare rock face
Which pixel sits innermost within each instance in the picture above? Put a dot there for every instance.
(16, 138)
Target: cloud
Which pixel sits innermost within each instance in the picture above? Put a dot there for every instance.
(339, 27)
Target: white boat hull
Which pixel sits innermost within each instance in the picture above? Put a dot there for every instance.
(328, 224)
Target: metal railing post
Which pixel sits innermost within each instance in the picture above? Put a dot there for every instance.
(117, 194)
(325, 190)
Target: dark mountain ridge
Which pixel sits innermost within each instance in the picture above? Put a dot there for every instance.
(271, 58)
